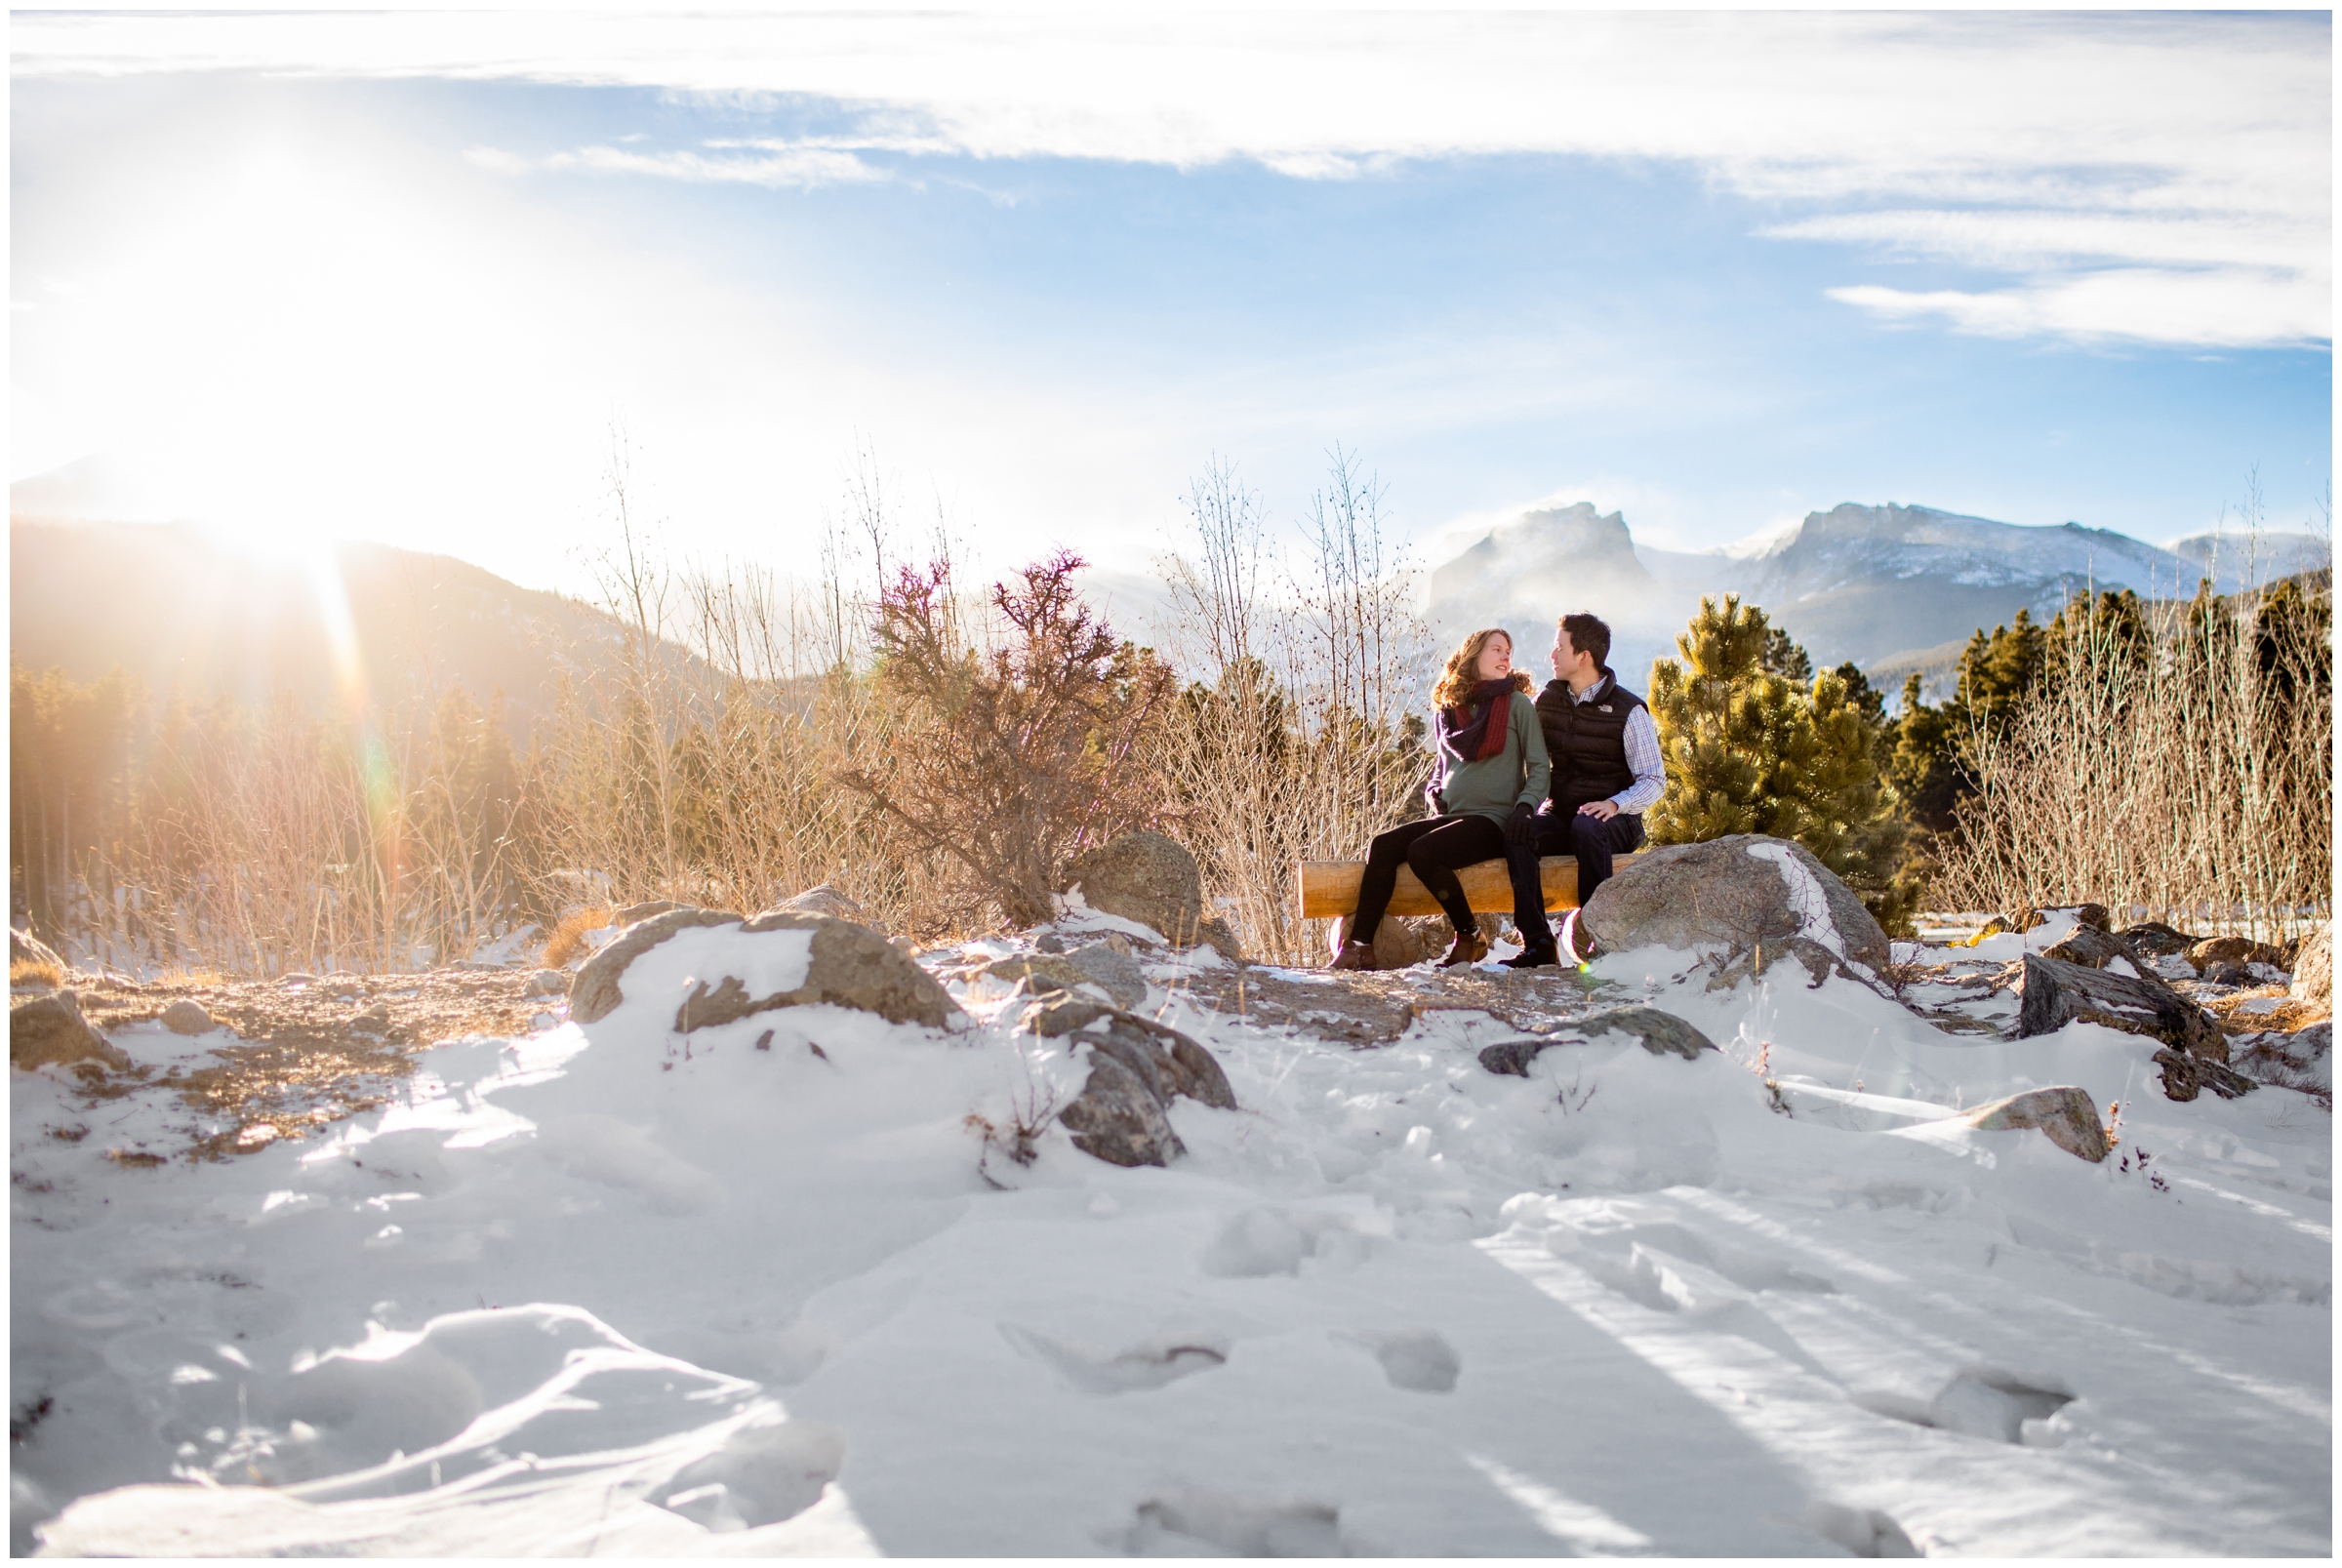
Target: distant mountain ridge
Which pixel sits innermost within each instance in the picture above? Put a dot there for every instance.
(1876, 585)
(180, 613)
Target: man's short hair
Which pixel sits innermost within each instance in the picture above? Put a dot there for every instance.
(1590, 634)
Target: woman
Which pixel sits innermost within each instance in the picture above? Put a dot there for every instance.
(1492, 772)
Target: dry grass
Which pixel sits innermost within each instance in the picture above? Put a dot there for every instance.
(1299, 743)
(2187, 777)
(704, 755)
(569, 935)
(35, 972)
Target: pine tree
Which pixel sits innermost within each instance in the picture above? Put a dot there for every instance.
(1749, 752)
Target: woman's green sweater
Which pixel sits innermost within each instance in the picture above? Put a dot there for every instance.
(1518, 775)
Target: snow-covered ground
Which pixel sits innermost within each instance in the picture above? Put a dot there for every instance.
(610, 1290)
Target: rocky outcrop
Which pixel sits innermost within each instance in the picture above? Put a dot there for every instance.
(2214, 953)
(1114, 970)
(1660, 1033)
(2093, 948)
(51, 1030)
(2186, 1076)
(1137, 1068)
(2057, 993)
(2066, 1115)
(186, 1016)
(2154, 938)
(849, 966)
(2314, 967)
(825, 899)
(1153, 880)
(2089, 917)
(1046, 974)
(1738, 893)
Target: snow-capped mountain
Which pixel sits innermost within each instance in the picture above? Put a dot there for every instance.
(2255, 556)
(1860, 583)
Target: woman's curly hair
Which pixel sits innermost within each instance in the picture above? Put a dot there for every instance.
(1463, 665)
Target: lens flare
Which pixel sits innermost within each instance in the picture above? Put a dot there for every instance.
(323, 567)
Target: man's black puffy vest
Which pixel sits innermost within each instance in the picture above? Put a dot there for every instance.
(1586, 742)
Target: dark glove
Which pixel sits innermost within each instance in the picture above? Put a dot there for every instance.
(1430, 798)
(1522, 827)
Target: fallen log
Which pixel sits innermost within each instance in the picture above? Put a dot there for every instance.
(1330, 888)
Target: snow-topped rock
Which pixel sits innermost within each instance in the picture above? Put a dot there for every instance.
(2057, 993)
(1732, 895)
(1660, 1033)
(719, 968)
(1152, 880)
(50, 1030)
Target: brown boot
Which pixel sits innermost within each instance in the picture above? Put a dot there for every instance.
(1470, 947)
(1354, 955)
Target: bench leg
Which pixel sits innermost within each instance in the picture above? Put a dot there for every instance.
(1528, 899)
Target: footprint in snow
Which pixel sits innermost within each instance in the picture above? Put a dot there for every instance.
(1415, 1358)
(1193, 1521)
(1862, 1532)
(1983, 1401)
(1261, 1242)
(1150, 1363)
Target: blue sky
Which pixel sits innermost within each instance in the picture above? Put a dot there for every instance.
(396, 276)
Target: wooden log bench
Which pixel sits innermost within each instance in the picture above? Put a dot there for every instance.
(1330, 888)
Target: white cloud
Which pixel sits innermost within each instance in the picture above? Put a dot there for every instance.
(775, 164)
(783, 168)
(2214, 307)
(2176, 140)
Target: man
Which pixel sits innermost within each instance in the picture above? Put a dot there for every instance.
(1608, 771)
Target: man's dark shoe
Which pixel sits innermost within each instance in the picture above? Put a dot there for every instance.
(1534, 958)
(1356, 956)
(1468, 948)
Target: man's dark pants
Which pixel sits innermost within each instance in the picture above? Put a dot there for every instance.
(1591, 839)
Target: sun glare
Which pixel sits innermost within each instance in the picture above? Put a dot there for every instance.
(278, 336)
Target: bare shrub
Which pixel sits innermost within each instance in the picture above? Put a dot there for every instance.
(2177, 762)
(1301, 742)
(1011, 759)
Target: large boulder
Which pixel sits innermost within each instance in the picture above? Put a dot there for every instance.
(2066, 1115)
(1660, 1033)
(1740, 893)
(2238, 951)
(1397, 942)
(2186, 1076)
(188, 1016)
(1153, 880)
(1115, 972)
(1118, 1117)
(1046, 974)
(2155, 939)
(848, 966)
(2057, 993)
(1137, 1068)
(2314, 967)
(2093, 948)
(827, 898)
(50, 1028)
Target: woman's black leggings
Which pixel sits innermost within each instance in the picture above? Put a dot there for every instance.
(1432, 849)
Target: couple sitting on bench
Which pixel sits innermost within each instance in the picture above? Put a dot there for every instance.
(1570, 774)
